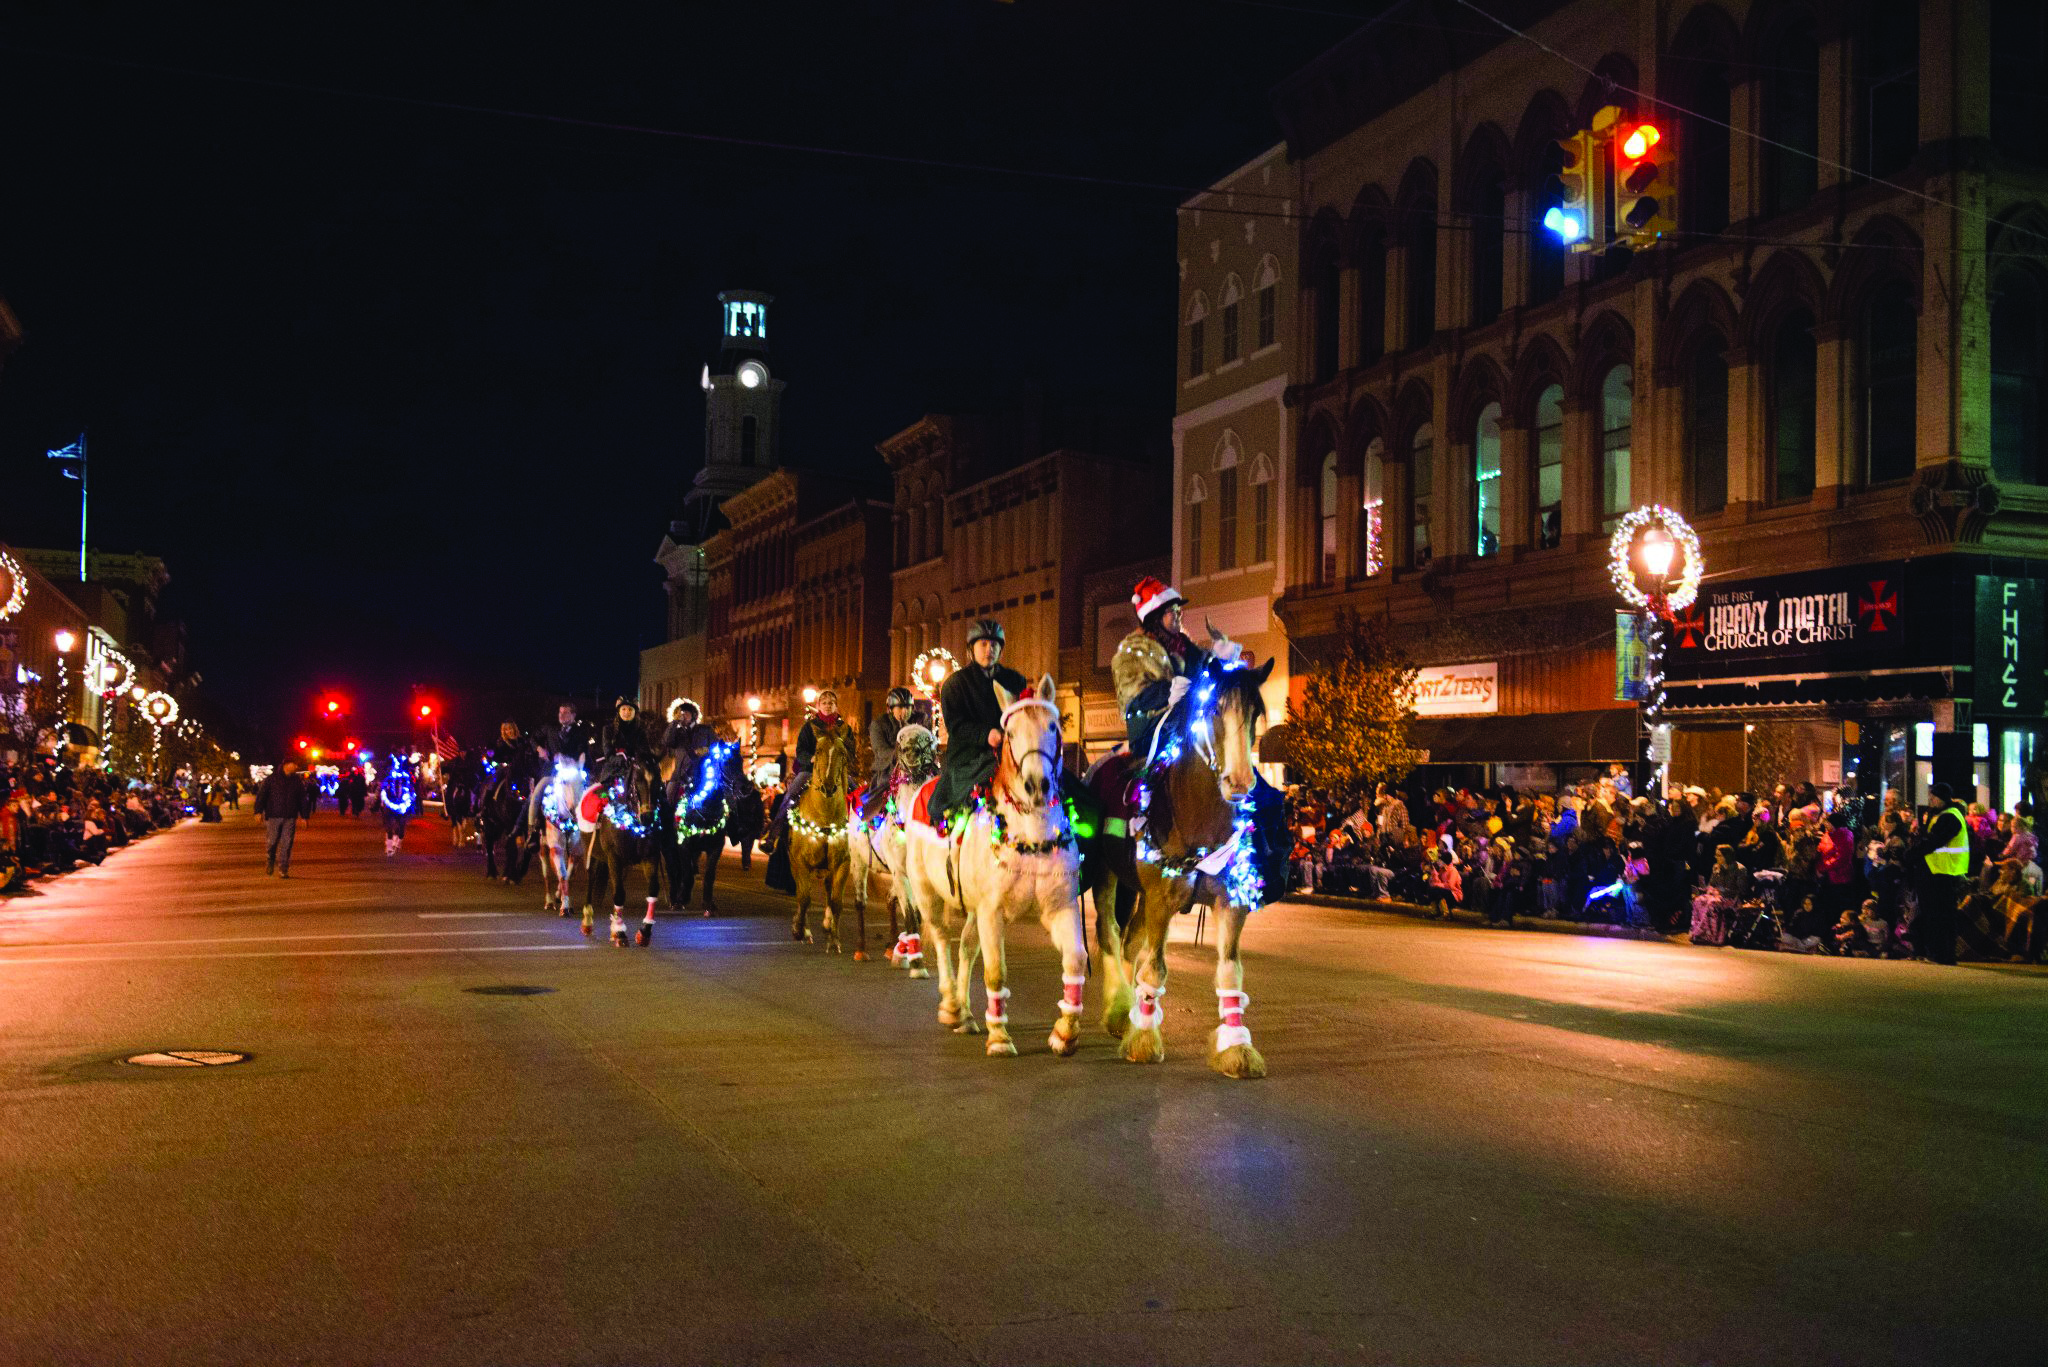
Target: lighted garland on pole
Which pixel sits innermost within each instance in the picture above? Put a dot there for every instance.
(1656, 604)
(16, 586)
(159, 709)
(922, 677)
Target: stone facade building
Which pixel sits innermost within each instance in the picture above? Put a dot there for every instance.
(1833, 369)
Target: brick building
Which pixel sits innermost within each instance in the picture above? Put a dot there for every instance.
(1833, 370)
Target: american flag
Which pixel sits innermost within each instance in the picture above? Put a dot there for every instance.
(445, 746)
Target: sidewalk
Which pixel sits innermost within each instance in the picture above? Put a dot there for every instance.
(1560, 926)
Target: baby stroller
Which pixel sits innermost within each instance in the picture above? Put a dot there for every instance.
(1754, 924)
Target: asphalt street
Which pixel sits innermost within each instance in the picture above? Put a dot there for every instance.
(465, 1134)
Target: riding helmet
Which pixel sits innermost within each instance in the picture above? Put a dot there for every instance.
(898, 697)
(985, 629)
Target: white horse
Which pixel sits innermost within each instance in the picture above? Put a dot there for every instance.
(561, 837)
(876, 850)
(1013, 853)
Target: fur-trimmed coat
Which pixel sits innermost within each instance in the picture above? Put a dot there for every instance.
(1143, 671)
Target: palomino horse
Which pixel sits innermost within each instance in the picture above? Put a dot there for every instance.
(561, 838)
(621, 811)
(1193, 849)
(817, 841)
(1013, 853)
(876, 847)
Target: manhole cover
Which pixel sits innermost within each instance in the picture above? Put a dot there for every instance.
(508, 990)
(186, 1058)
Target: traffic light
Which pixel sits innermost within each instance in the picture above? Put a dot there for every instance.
(333, 707)
(303, 742)
(426, 710)
(1579, 218)
(1645, 183)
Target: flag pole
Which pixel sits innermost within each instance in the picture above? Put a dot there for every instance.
(84, 493)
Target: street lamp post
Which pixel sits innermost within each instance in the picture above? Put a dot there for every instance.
(1654, 561)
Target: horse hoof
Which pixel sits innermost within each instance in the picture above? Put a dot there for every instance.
(619, 939)
(919, 971)
(1063, 1046)
(970, 1026)
(643, 937)
(709, 911)
(1001, 1048)
(1144, 1046)
(948, 1016)
(1239, 1061)
(809, 938)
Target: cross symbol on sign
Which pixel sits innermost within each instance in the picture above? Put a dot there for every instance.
(1878, 603)
(1690, 625)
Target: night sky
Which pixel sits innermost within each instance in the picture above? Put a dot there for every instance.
(405, 393)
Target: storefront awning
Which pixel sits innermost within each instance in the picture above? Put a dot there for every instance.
(1595, 737)
(1799, 690)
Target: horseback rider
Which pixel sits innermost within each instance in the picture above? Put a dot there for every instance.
(570, 740)
(511, 758)
(624, 737)
(687, 738)
(974, 718)
(882, 732)
(1154, 664)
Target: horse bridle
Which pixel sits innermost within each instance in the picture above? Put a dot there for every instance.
(1017, 760)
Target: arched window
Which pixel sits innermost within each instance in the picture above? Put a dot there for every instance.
(2019, 369)
(1265, 294)
(2019, 54)
(749, 439)
(1374, 511)
(1418, 229)
(1617, 434)
(1233, 291)
(1421, 485)
(1794, 372)
(1890, 341)
(1706, 430)
(1890, 87)
(1372, 295)
(1486, 481)
(1549, 477)
(1326, 510)
(1198, 317)
(1791, 135)
(1226, 516)
(1486, 210)
(1262, 509)
(1198, 493)
(1329, 312)
(1705, 201)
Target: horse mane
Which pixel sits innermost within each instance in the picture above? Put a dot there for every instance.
(1236, 688)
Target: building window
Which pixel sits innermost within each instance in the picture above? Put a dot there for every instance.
(1890, 374)
(1420, 228)
(1421, 485)
(1326, 510)
(1704, 202)
(1549, 491)
(749, 439)
(1266, 287)
(1197, 492)
(1196, 363)
(1617, 425)
(1486, 481)
(1226, 518)
(1794, 371)
(1706, 431)
(1374, 509)
(1792, 120)
(2019, 344)
(1262, 509)
(1372, 297)
(1229, 332)
(1891, 92)
(2019, 54)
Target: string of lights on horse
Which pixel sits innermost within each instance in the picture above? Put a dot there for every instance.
(398, 794)
(1241, 878)
(710, 779)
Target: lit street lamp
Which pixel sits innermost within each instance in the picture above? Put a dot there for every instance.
(1654, 561)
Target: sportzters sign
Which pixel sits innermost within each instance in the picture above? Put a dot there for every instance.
(1834, 618)
(1457, 690)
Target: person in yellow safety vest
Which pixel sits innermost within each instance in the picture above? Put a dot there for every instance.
(1944, 852)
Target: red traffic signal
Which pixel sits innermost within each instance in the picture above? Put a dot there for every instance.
(1639, 141)
(303, 742)
(426, 710)
(334, 705)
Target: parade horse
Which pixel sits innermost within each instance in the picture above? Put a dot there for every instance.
(500, 812)
(1013, 852)
(698, 822)
(458, 804)
(620, 812)
(818, 858)
(561, 838)
(875, 851)
(1195, 847)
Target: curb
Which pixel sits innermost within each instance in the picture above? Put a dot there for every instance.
(1596, 929)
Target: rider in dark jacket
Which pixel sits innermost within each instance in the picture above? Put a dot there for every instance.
(969, 704)
(623, 736)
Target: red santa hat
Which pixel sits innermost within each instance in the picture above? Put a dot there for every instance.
(1151, 595)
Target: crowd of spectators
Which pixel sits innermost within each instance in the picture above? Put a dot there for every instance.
(1785, 870)
(56, 815)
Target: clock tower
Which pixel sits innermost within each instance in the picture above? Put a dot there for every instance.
(742, 406)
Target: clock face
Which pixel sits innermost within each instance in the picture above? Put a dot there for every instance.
(753, 374)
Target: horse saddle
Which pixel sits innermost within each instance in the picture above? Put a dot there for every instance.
(921, 808)
(1114, 783)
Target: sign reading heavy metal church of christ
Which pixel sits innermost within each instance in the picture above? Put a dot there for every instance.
(1839, 618)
